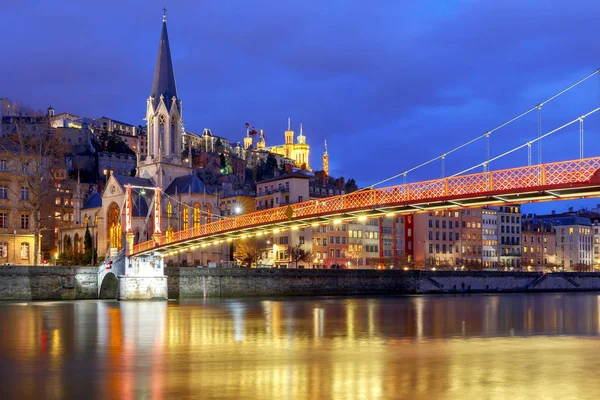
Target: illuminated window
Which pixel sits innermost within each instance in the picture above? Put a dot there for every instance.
(196, 215)
(25, 250)
(184, 217)
(570, 231)
(208, 213)
(169, 209)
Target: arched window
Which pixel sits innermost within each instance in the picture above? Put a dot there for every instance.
(208, 213)
(196, 215)
(86, 219)
(185, 216)
(169, 209)
(161, 132)
(113, 225)
(96, 218)
(172, 137)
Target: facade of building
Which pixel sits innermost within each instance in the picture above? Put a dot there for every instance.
(574, 239)
(489, 237)
(539, 245)
(509, 226)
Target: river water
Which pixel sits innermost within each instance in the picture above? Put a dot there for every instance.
(511, 346)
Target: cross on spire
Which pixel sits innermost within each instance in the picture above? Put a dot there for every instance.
(164, 14)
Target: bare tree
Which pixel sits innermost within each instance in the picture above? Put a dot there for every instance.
(248, 251)
(355, 254)
(298, 253)
(41, 157)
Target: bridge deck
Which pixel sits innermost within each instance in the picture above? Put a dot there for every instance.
(561, 180)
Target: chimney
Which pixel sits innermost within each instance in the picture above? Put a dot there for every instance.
(289, 168)
(339, 182)
(553, 212)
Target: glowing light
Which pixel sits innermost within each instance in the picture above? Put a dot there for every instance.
(337, 221)
(229, 239)
(390, 214)
(406, 268)
(294, 228)
(362, 218)
(244, 236)
(314, 224)
(276, 231)
(238, 210)
(259, 234)
(203, 244)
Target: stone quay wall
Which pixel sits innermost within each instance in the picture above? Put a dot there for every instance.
(74, 283)
(189, 282)
(48, 283)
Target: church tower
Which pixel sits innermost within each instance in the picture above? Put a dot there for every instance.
(301, 150)
(326, 160)
(289, 142)
(163, 160)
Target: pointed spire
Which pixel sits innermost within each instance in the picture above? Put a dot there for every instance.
(289, 126)
(325, 152)
(300, 128)
(164, 77)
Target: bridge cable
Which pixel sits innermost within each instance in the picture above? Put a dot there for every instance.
(529, 143)
(538, 106)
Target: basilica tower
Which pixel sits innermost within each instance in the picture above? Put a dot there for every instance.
(164, 118)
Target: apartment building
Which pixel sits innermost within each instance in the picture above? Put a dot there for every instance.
(539, 245)
(574, 239)
(509, 225)
(489, 237)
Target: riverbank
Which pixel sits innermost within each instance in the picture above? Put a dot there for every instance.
(202, 282)
(48, 283)
(76, 283)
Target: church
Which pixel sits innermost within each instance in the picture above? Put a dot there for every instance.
(183, 200)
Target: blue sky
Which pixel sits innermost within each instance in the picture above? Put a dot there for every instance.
(389, 84)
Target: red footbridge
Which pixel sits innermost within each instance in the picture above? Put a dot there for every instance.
(560, 180)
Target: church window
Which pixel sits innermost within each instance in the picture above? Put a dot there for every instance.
(184, 216)
(196, 215)
(172, 137)
(169, 209)
(161, 143)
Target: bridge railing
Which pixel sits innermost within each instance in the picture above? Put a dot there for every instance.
(493, 182)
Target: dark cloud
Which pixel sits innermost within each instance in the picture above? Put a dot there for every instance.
(387, 83)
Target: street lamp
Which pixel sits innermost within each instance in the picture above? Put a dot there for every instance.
(238, 210)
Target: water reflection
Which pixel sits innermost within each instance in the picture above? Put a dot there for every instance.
(443, 347)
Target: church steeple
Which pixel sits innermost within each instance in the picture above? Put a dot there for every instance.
(163, 83)
(163, 111)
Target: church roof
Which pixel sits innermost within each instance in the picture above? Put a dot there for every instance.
(182, 185)
(132, 180)
(164, 77)
(94, 201)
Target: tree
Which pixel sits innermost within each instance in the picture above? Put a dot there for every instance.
(41, 153)
(355, 254)
(88, 246)
(248, 251)
(351, 186)
(298, 253)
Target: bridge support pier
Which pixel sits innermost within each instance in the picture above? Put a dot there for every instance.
(144, 279)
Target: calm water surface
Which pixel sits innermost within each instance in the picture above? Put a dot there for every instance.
(438, 347)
